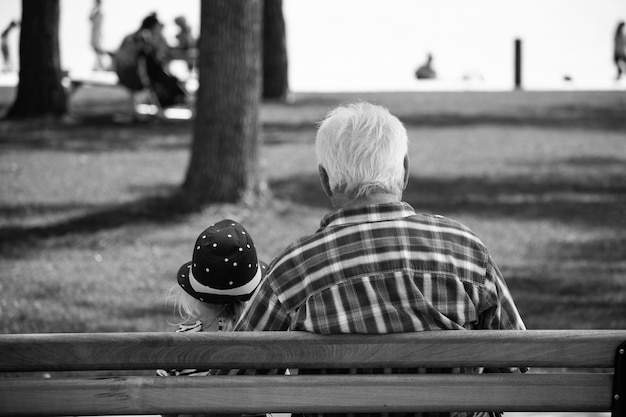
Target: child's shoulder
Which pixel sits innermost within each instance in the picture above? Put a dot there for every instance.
(195, 327)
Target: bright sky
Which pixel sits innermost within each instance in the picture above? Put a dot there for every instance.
(378, 44)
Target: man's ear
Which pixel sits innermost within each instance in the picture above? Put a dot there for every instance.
(325, 181)
(406, 171)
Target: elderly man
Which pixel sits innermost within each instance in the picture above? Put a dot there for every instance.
(374, 265)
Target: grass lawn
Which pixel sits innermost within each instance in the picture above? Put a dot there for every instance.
(90, 239)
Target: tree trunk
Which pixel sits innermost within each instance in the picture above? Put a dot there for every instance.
(39, 91)
(224, 153)
(275, 62)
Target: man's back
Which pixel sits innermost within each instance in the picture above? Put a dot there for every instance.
(384, 269)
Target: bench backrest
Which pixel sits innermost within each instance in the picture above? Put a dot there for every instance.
(589, 358)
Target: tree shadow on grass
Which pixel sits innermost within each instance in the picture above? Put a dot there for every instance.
(591, 204)
(560, 117)
(578, 288)
(95, 133)
(512, 197)
(167, 207)
(517, 198)
(564, 119)
(39, 209)
(565, 111)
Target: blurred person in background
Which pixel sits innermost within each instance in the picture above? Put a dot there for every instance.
(141, 64)
(185, 48)
(96, 17)
(7, 62)
(619, 55)
(426, 71)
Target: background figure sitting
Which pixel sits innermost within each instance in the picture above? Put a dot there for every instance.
(426, 71)
(141, 64)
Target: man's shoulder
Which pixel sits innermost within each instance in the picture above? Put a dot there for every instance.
(424, 221)
(442, 223)
(452, 237)
(434, 226)
(296, 248)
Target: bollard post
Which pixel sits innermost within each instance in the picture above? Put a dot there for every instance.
(518, 64)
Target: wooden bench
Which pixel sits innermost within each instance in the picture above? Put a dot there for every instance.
(594, 379)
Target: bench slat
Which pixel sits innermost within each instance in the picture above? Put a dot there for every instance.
(241, 394)
(125, 351)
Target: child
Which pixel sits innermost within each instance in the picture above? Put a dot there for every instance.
(212, 289)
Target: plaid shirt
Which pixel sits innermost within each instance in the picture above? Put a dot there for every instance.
(383, 269)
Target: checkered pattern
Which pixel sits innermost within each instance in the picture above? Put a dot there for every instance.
(383, 269)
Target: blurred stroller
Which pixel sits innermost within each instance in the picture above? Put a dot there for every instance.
(140, 65)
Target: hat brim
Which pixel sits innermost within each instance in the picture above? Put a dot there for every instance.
(217, 296)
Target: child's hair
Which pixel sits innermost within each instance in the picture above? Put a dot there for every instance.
(185, 306)
(190, 309)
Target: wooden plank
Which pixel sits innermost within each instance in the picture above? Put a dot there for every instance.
(111, 351)
(253, 394)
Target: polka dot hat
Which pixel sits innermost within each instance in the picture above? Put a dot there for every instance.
(224, 265)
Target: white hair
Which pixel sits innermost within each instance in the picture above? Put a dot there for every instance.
(191, 309)
(362, 148)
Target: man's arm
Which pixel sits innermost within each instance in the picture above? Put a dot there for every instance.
(263, 312)
(500, 312)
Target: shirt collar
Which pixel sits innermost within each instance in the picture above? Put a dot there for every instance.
(368, 214)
